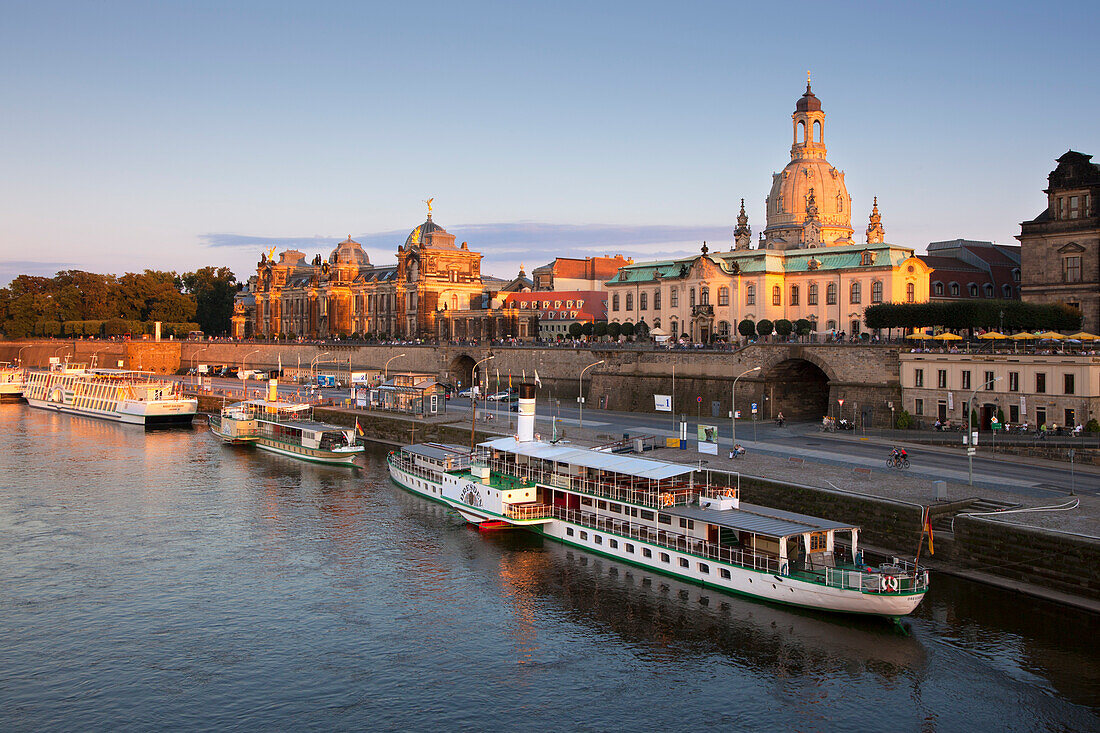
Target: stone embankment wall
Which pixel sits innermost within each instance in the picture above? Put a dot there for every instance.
(818, 375)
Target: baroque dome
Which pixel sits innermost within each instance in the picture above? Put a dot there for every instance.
(808, 205)
(349, 252)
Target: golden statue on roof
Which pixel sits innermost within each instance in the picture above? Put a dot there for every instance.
(271, 253)
(429, 203)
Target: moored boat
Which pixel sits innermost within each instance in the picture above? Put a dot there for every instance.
(672, 518)
(286, 428)
(136, 398)
(12, 381)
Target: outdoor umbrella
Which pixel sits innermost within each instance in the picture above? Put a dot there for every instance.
(919, 335)
(1023, 336)
(1085, 336)
(947, 337)
(990, 335)
(1050, 336)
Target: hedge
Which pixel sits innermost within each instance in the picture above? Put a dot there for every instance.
(1012, 315)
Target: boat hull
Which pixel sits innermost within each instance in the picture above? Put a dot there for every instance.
(178, 416)
(683, 565)
(345, 457)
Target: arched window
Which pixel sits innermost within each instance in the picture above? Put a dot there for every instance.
(830, 294)
(1016, 274)
(867, 259)
(988, 290)
(630, 301)
(691, 297)
(615, 302)
(801, 131)
(1006, 291)
(642, 298)
(973, 290)
(794, 295)
(777, 295)
(839, 202)
(876, 291)
(811, 294)
(704, 295)
(723, 328)
(855, 295)
(910, 292)
(937, 288)
(657, 300)
(723, 295)
(817, 130)
(955, 289)
(830, 325)
(750, 295)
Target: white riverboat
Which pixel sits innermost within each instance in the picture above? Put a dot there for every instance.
(286, 428)
(136, 398)
(672, 518)
(12, 381)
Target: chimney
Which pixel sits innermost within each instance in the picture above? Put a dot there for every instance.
(273, 390)
(526, 421)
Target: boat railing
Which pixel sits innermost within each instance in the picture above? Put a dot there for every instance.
(670, 540)
(530, 511)
(896, 577)
(409, 467)
(655, 497)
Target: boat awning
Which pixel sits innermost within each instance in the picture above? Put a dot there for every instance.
(759, 520)
(627, 465)
(437, 451)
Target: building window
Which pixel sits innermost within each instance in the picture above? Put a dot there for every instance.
(1073, 304)
(794, 295)
(777, 295)
(630, 301)
(987, 290)
(642, 298)
(972, 288)
(965, 379)
(1041, 383)
(955, 290)
(937, 288)
(656, 300)
(910, 292)
(704, 296)
(1074, 207)
(615, 302)
(750, 295)
(876, 291)
(723, 295)
(989, 381)
(1067, 381)
(830, 294)
(867, 259)
(1006, 291)
(918, 407)
(1071, 269)
(855, 294)
(941, 378)
(1013, 381)
(674, 297)
(811, 294)
(1014, 414)
(691, 297)
(918, 378)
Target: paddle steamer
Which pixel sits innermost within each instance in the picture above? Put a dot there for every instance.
(136, 398)
(286, 428)
(671, 518)
(12, 381)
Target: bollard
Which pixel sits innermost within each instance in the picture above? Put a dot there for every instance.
(939, 490)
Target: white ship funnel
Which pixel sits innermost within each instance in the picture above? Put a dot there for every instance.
(273, 390)
(526, 422)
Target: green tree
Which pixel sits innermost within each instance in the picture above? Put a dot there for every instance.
(783, 327)
(588, 328)
(213, 289)
(85, 296)
(600, 329)
(746, 328)
(575, 330)
(803, 327)
(628, 329)
(904, 420)
(764, 327)
(641, 330)
(614, 330)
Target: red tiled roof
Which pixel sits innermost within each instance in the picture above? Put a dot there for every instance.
(587, 305)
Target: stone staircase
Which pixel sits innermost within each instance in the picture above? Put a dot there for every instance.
(943, 522)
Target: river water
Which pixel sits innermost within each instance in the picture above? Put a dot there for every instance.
(161, 579)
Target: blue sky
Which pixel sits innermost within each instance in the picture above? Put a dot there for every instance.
(176, 135)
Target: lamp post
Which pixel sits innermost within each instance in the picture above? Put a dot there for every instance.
(386, 375)
(313, 363)
(733, 405)
(240, 371)
(580, 393)
(969, 411)
(191, 372)
(473, 398)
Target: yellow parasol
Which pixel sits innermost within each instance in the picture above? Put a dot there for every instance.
(947, 337)
(1023, 336)
(990, 335)
(921, 335)
(1085, 336)
(1050, 336)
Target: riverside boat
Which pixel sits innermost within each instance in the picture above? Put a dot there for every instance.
(12, 381)
(286, 428)
(668, 517)
(136, 398)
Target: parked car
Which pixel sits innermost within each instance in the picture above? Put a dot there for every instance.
(466, 392)
(497, 396)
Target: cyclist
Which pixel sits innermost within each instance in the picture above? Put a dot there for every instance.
(898, 456)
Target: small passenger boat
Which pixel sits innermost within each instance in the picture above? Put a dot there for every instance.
(668, 517)
(137, 398)
(12, 381)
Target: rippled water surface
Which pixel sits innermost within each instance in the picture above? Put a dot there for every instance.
(160, 579)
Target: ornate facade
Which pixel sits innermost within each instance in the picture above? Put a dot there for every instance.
(345, 294)
(805, 266)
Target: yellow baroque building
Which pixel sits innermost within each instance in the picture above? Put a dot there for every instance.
(805, 265)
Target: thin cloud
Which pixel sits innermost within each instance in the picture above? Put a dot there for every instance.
(11, 269)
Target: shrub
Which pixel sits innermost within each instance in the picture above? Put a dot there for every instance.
(784, 327)
(614, 329)
(904, 420)
(803, 327)
(764, 327)
(628, 329)
(746, 328)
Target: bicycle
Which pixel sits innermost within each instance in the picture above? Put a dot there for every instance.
(898, 462)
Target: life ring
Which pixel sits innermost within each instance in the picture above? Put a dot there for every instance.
(728, 493)
(667, 500)
(888, 584)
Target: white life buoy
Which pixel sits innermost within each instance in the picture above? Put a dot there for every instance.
(888, 584)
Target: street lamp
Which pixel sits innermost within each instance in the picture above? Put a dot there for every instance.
(240, 371)
(386, 375)
(313, 362)
(473, 399)
(192, 370)
(19, 356)
(580, 393)
(969, 411)
(733, 404)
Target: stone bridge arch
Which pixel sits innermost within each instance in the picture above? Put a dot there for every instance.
(460, 370)
(798, 383)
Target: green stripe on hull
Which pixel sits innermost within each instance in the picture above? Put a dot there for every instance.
(291, 454)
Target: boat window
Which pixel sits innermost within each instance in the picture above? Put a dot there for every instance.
(683, 562)
(664, 519)
(647, 515)
(665, 557)
(601, 505)
(724, 573)
(628, 547)
(613, 544)
(614, 508)
(568, 531)
(584, 535)
(585, 501)
(598, 540)
(646, 552)
(704, 568)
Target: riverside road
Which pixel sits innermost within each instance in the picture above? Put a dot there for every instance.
(1013, 474)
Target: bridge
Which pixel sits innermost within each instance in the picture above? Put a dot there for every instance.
(803, 381)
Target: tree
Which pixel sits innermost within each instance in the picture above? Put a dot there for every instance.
(764, 327)
(600, 329)
(628, 329)
(614, 329)
(575, 330)
(641, 330)
(803, 327)
(213, 289)
(746, 328)
(904, 420)
(588, 328)
(783, 327)
(154, 296)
